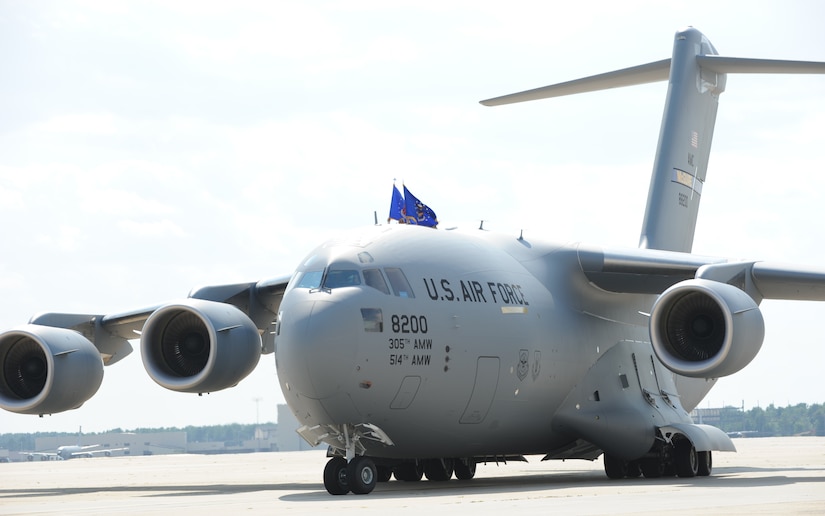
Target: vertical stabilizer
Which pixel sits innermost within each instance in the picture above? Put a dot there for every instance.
(684, 146)
(696, 77)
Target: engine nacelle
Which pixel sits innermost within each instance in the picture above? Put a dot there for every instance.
(199, 346)
(706, 329)
(44, 370)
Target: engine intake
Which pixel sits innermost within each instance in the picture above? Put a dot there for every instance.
(706, 329)
(199, 346)
(44, 370)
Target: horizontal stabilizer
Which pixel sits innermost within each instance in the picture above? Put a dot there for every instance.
(720, 64)
(657, 71)
(642, 74)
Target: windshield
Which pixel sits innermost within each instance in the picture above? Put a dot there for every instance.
(342, 278)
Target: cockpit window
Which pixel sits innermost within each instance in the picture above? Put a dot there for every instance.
(310, 279)
(399, 282)
(373, 278)
(342, 278)
(373, 319)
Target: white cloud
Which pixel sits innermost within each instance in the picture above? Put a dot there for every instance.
(163, 229)
(62, 238)
(10, 200)
(80, 123)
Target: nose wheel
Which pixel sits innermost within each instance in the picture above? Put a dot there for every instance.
(359, 476)
(335, 476)
(353, 472)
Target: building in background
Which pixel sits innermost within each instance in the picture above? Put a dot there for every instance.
(267, 438)
(286, 436)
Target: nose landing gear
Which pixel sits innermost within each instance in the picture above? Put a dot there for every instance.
(359, 476)
(335, 476)
(355, 473)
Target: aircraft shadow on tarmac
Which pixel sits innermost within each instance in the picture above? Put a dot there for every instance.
(722, 477)
(159, 490)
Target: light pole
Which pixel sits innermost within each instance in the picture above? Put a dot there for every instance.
(257, 424)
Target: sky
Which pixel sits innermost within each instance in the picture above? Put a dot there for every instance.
(150, 147)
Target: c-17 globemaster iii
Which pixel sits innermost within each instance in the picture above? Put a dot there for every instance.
(414, 352)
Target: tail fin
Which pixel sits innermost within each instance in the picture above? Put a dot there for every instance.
(696, 76)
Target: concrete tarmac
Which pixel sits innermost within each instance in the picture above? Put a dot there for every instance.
(784, 475)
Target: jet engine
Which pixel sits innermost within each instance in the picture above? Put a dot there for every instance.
(706, 329)
(44, 370)
(199, 346)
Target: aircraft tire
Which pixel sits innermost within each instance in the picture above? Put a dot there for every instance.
(361, 475)
(685, 459)
(652, 468)
(464, 469)
(705, 464)
(335, 476)
(384, 473)
(438, 470)
(408, 471)
(614, 467)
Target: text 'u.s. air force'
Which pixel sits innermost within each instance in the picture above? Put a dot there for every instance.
(472, 291)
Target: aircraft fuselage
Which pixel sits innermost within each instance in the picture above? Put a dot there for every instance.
(473, 340)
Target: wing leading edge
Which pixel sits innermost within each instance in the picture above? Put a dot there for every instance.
(642, 271)
(111, 333)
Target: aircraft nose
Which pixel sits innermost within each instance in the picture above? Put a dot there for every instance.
(316, 346)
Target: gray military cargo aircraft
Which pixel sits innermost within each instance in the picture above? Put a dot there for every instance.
(413, 352)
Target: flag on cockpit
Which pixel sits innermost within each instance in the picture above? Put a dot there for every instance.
(396, 206)
(416, 212)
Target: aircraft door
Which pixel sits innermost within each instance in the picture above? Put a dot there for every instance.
(484, 390)
(406, 393)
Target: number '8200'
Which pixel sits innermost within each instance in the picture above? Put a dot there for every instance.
(409, 324)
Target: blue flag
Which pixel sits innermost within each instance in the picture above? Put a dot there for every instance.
(396, 205)
(416, 212)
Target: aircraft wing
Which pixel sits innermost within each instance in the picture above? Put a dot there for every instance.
(204, 343)
(645, 271)
(770, 280)
(43, 456)
(639, 271)
(110, 333)
(91, 453)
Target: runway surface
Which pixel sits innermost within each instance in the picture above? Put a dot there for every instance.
(767, 476)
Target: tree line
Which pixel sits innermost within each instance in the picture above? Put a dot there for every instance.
(801, 419)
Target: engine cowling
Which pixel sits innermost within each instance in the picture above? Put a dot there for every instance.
(45, 370)
(199, 346)
(706, 329)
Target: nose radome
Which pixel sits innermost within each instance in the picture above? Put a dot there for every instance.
(317, 343)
